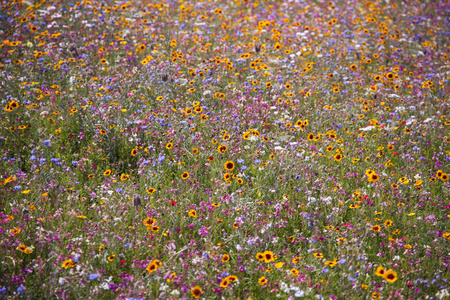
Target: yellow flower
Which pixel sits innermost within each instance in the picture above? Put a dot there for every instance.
(225, 282)
(390, 276)
(262, 280)
(68, 264)
(404, 180)
(296, 259)
(16, 230)
(375, 228)
(25, 249)
(279, 265)
(225, 258)
(268, 256)
(380, 271)
(196, 292)
(153, 266)
(260, 256)
(338, 157)
(229, 165)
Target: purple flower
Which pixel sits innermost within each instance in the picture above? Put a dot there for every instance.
(203, 231)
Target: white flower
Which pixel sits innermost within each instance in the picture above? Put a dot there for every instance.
(62, 281)
(367, 128)
(326, 200)
(253, 138)
(299, 294)
(196, 260)
(312, 199)
(399, 109)
(104, 286)
(443, 294)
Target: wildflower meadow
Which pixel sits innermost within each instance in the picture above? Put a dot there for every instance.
(225, 149)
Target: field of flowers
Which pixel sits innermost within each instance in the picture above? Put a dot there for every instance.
(225, 149)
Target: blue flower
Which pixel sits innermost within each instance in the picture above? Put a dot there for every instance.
(119, 190)
(21, 289)
(93, 276)
(47, 143)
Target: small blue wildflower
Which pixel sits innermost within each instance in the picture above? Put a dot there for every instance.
(93, 276)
